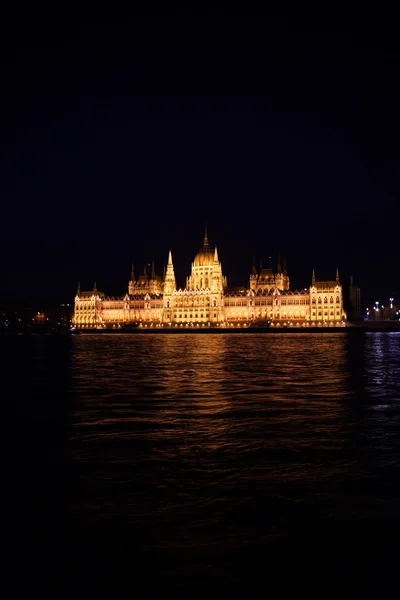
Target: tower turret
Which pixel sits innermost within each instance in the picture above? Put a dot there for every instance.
(278, 266)
(253, 276)
(169, 279)
(286, 280)
(279, 274)
(131, 283)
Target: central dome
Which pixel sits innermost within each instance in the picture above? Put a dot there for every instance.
(205, 256)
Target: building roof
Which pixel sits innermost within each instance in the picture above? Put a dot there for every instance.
(266, 274)
(86, 295)
(204, 258)
(330, 285)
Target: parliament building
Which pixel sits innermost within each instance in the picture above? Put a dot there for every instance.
(207, 301)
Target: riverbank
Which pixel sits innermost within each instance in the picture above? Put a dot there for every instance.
(364, 327)
(239, 330)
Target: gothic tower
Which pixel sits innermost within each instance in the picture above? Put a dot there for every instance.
(286, 280)
(253, 276)
(131, 284)
(206, 270)
(169, 279)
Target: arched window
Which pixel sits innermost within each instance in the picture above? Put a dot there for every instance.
(325, 300)
(337, 300)
(319, 300)
(313, 300)
(331, 300)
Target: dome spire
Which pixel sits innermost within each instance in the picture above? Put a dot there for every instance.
(215, 255)
(205, 242)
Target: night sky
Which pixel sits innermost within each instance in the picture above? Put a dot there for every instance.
(122, 138)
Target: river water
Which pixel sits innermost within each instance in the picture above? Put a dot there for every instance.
(205, 461)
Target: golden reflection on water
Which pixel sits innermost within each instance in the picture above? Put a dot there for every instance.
(194, 425)
(218, 392)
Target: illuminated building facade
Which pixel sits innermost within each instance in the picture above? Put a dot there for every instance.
(206, 300)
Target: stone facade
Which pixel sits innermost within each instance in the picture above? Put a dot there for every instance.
(206, 300)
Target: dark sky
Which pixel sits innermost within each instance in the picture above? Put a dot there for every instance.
(121, 138)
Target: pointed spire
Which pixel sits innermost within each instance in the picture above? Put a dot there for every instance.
(313, 277)
(278, 267)
(145, 272)
(284, 267)
(153, 273)
(337, 275)
(133, 273)
(164, 271)
(169, 276)
(78, 291)
(215, 255)
(94, 287)
(253, 268)
(205, 242)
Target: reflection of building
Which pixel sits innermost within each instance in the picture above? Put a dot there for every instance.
(206, 300)
(352, 300)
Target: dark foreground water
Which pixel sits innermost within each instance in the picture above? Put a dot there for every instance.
(205, 462)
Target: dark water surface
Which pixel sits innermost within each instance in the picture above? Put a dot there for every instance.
(206, 461)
